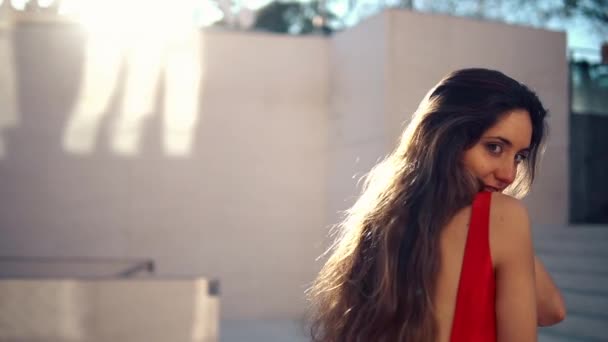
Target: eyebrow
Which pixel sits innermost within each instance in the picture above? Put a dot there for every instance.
(508, 142)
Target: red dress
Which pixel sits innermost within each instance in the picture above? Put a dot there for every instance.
(475, 313)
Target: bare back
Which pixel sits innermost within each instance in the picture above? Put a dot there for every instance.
(510, 250)
(452, 243)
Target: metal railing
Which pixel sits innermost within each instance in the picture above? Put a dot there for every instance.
(87, 267)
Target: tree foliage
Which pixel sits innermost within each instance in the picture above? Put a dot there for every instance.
(295, 18)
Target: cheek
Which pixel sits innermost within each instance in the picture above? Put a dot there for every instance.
(477, 162)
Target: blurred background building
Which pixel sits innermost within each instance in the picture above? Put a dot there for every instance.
(170, 169)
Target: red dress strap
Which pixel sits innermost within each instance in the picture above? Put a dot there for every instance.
(475, 312)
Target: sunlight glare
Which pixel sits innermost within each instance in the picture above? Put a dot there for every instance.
(206, 13)
(45, 3)
(133, 17)
(206, 312)
(149, 38)
(102, 63)
(255, 4)
(143, 65)
(19, 5)
(182, 78)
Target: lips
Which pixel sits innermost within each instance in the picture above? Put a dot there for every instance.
(491, 189)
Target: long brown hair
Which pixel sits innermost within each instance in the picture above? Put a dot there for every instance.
(379, 280)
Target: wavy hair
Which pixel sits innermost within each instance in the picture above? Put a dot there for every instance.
(379, 280)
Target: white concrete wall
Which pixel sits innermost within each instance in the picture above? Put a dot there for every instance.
(245, 206)
(357, 119)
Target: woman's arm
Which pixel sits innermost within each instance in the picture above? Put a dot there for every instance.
(550, 305)
(514, 264)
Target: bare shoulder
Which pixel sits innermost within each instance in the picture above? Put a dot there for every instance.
(507, 210)
(509, 226)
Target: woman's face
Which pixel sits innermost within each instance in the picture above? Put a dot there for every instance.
(495, 157)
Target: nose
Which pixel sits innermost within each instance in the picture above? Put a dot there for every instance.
(506, 173)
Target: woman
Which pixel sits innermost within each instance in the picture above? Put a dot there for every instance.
(406, 266)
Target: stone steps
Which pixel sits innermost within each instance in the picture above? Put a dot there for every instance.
(577, 258)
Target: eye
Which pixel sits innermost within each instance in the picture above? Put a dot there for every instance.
(494, 148)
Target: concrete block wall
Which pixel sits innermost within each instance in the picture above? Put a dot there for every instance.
(246, 205)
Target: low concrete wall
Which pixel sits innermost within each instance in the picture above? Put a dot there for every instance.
(55, 310)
